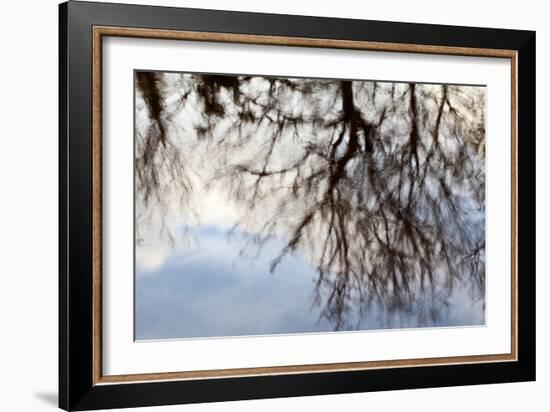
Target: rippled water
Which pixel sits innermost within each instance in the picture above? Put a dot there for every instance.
(269, 205)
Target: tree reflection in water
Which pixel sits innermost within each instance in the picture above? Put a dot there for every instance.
(381, 186)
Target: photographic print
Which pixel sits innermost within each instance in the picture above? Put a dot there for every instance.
(275, 205)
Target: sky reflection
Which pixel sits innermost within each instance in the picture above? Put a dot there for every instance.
(207, 289)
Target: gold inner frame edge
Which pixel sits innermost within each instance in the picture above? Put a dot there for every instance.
(98, 32)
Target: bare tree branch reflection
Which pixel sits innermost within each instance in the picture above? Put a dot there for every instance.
(380, 185)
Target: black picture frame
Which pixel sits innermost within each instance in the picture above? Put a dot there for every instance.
(77, 390)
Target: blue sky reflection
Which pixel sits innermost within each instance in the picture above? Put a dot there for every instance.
(208, 289)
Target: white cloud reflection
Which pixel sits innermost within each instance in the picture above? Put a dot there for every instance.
(207, 289)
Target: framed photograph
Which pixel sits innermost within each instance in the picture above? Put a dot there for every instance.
(257, 205)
